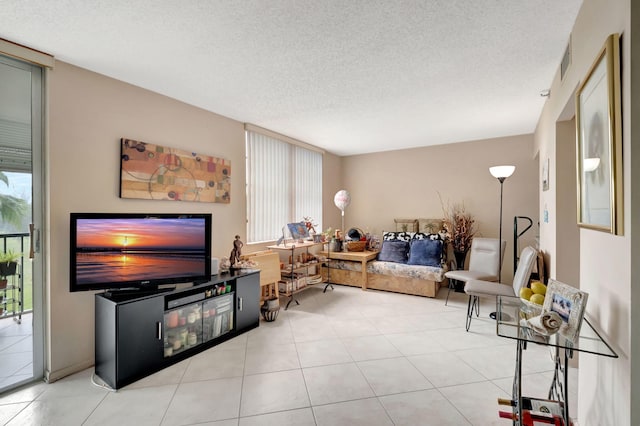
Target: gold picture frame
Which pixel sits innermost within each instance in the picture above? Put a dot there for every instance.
(599, 143)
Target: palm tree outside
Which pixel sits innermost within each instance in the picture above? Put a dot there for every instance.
(12, 209)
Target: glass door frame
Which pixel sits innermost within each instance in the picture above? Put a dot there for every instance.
(38, 179)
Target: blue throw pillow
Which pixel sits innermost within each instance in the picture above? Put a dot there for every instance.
(425, 252)
(394, 251)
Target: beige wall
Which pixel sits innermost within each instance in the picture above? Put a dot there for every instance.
(565, 266)
(331, 183)
(89, 113)
(607, 394)
(406, 184)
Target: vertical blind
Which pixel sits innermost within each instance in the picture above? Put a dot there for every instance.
(284, 185)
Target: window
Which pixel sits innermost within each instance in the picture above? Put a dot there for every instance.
(284, 185)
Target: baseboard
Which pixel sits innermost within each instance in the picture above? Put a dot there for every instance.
(53, 376)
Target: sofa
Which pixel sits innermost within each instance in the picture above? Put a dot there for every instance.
(408, 262)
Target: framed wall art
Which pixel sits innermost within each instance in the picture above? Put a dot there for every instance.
(569, 303)
(155, 172)
(599, 143)
(545, 175)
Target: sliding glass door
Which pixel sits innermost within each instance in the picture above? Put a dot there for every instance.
(21, 216)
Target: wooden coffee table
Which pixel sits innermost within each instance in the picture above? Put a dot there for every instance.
(356, 256)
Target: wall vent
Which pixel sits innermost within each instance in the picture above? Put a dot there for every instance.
(566, 60)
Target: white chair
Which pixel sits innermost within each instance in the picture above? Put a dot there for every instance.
(484, 263)
(478, 288)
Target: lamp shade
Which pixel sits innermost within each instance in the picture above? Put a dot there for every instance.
(342, 199)
(501, 171)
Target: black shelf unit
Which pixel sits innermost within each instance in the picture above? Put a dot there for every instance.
(11, 295)
(140, 332)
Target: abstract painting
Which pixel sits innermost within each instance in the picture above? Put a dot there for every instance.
(154, 172)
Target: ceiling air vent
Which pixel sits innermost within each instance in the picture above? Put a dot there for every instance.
(566, 60)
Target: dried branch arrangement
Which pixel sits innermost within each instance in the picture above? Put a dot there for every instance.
(459, 225)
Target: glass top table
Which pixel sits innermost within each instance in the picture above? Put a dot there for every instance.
(511, 322)
(510, 313)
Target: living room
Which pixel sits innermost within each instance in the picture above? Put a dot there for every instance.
(89, 113)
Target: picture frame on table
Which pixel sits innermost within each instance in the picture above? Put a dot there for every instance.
(298, 230)
(569, 303)
(599, 143)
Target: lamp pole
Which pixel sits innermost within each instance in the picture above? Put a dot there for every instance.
(501, 173)
(501, 179)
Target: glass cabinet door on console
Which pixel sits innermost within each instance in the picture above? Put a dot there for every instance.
(182, 329)
(190, 325)
(217, 316)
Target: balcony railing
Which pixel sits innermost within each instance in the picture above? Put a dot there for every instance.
(19, 243)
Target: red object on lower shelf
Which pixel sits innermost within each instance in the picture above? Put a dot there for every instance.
(533, 418)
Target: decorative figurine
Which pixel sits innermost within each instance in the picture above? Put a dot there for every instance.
(236, 252)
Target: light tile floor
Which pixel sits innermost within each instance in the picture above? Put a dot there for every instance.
(345, 357)
(16, 350)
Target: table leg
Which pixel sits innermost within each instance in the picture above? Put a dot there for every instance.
(364, 274)
(517, 383)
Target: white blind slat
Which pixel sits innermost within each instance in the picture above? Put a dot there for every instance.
(284, 184)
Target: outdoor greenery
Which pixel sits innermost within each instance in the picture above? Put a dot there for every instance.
(13, 210)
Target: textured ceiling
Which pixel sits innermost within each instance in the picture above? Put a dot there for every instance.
(349, 76)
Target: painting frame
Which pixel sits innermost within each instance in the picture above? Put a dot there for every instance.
(149, 171)
(298, 230)
(569, 303)
(599, 143)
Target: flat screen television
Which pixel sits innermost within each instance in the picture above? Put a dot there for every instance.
(132, 250)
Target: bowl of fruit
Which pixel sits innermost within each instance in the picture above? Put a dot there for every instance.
(532, 298)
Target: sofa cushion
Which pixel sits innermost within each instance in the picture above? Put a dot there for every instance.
(397, 236)
(394, 251)
(426, 252)
(403, 270)
(425, 236)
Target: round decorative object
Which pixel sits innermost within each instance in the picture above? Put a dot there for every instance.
(354, 234)
(172, 319)
(269, 315)
(342, 199)
(192, 339)
(272, 304)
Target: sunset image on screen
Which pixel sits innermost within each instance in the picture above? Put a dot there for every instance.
(139, 249)
(140, 234)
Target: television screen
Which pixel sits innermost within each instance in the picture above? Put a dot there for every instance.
(115, 251)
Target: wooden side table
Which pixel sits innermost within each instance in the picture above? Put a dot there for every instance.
(268, 262)
(355, 256)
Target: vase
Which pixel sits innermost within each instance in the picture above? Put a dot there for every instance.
(460, 257)
(8, 268)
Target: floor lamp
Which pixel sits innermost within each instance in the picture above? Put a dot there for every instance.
(501, 173)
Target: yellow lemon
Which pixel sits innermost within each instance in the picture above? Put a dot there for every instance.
(538, 299)
(538, 288)
(525, 293)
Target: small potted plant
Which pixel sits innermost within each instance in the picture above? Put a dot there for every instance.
(8, 266)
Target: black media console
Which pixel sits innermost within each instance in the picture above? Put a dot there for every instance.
(139, 333)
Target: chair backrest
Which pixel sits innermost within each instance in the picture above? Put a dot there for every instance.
(524, 269)
(485, 257)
